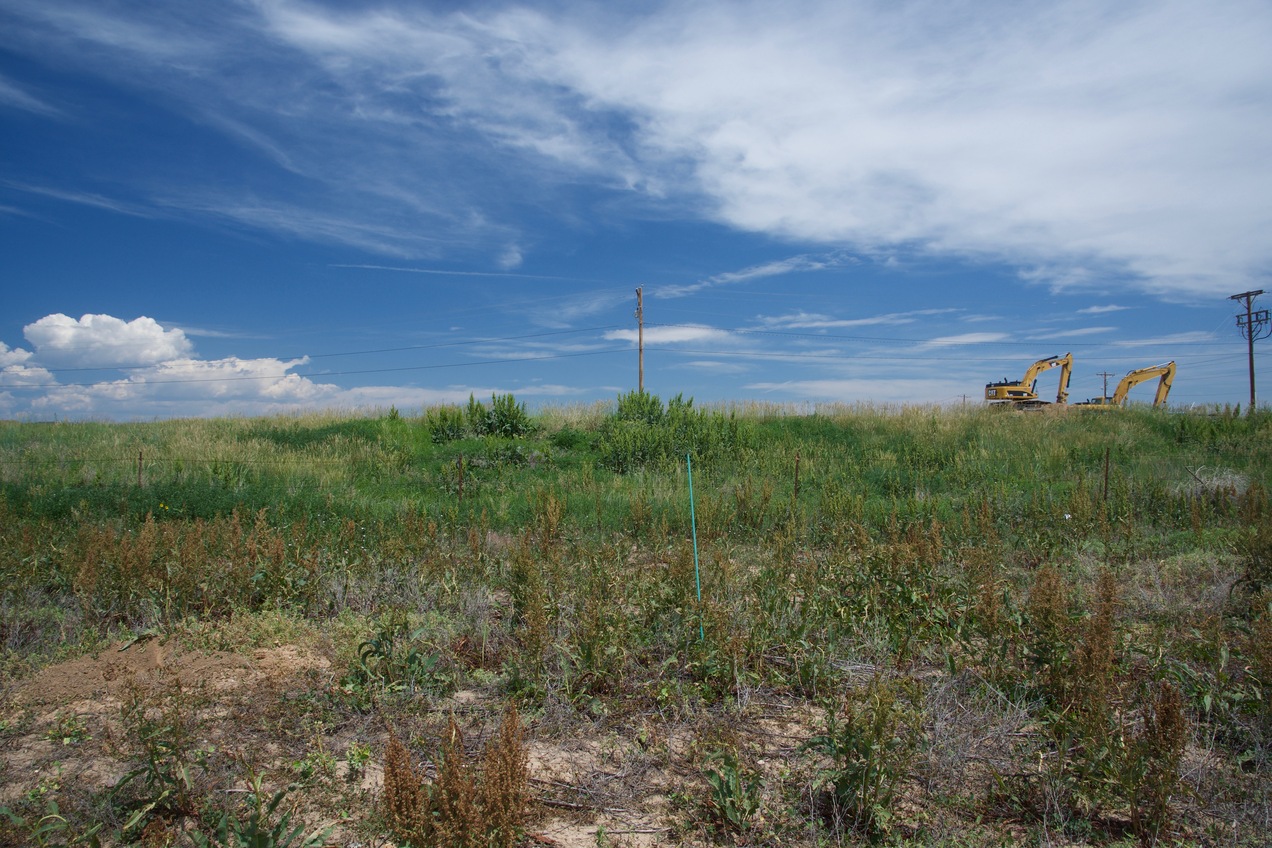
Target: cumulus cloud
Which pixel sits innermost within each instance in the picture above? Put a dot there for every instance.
(12, 356)
(103, 341)
(185, 385)
(19, 376)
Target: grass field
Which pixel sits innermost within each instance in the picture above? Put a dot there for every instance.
(477, 626)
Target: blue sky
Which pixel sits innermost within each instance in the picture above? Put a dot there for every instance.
(258, 206)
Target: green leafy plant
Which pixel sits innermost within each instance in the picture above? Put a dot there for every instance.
(871, 742)
(49, 829)
(504, 417)
(256, 831)
(69, 729)
(445, 423)
(735, 795)
(393, 660)
(162, 728)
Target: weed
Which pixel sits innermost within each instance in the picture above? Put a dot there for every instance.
(735, 795)
(256, 831)
(69, 729)
(393, 661)
(48, 830)
(163, 732)
(504, 418)
(466, 806)
(871, 741)
(1152, 769)
(445, 423)
(357, 756)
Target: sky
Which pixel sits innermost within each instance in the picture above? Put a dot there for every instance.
(247, 207)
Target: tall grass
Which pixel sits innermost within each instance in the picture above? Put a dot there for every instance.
(555, 564)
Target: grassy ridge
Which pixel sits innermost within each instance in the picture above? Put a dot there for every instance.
(1102, 577)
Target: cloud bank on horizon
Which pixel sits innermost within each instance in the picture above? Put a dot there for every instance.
(1076, 140)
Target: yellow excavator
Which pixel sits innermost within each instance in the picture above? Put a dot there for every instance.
(1022, 394)
(1166, 373)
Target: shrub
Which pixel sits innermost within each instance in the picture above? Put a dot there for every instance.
(445, 424)
(642, 434)
(505, 417)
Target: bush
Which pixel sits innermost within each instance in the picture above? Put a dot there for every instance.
(642, 434)
(445, 424)
(505, 417)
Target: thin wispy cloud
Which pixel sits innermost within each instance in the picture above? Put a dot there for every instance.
(964, 339)
(15, 97)
(1193, 337)
(1076, 332)
(813, 321)
(442, 272)
(907, 391)
(680, 334)
(1102, 310)
(794, 264)
(83, 198)
(1099, 146)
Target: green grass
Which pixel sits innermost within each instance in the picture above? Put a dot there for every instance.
(555, 567)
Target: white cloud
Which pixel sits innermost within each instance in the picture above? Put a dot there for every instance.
(814, 321)
(672, 335)
(905, 391)
(12, 356)
(103, 341)
(16, 97)
(1089, 143)
(1102, 310)
(716, 367)
(1073, 139)
(794, 264)
(964, 339)
(1191, 337)
(1076, 332)
(19, 376)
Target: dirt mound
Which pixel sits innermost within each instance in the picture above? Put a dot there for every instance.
(102, 675)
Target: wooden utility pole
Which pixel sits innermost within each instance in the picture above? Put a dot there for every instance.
(1105, 374)
(1253, 325)
(640, 337)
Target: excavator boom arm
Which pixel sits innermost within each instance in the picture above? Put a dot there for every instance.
(1133, 378)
